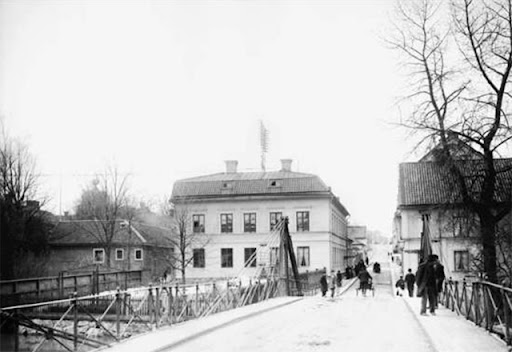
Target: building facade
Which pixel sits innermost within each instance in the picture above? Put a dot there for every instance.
(235, 213)
(78, 246)
(427, 202)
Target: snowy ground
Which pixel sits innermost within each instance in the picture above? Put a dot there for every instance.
(348, 322)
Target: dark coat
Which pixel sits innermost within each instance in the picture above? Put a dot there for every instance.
(400, 284)
(410, 279)
(323, 283)
(439, 273)
(364, 276)
(425, 277)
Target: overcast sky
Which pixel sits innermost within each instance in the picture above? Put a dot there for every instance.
(171, 89)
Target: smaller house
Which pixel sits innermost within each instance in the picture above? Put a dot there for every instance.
(358, 236)
(79, 246)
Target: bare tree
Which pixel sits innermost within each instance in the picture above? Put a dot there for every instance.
(24, 227)
(470, 103)
(105, 202)
(187, 235)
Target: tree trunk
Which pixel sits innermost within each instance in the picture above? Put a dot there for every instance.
(488, 238)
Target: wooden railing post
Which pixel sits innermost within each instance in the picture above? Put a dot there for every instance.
(75, 321)
(476, 300)
(506, 313)
(150, 303)
(465, 297)
(118, 313)
(196, 307)
(157, 306)
(170, 303)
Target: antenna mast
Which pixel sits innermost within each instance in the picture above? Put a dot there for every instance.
(263, 144)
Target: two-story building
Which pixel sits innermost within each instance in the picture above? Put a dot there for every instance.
(427, 201)
(236, 213)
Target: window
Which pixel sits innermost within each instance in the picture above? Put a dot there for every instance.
(138, 254)
(274, 256)
(303, 221)
(119, 254)
(98, 255)
(274, 219)
(198, 258)
(250, 257)
(226, 223)
(250, 222)
(226, 257)
(198, 223)
(461, 260)
(303, 256)
(275, 183)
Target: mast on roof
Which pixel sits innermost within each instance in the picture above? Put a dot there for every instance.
(263, 144)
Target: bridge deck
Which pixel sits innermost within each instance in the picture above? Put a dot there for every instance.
(348, 322)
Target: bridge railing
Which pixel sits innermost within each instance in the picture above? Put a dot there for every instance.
(14, 292)
(486, 304)
(98, 320)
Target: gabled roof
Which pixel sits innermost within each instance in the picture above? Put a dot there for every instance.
(90, 232)
(251, 183)
(428, 183)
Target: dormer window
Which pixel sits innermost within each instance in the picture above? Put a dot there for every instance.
(274, 183)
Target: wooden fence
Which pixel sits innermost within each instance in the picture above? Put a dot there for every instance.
(14, 292)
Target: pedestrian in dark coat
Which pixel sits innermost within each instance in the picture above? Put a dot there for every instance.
(339, 279)
(323, 285)
(332, 286)
(400, 286)
(364, 280)
(427, 286)
(439, 272)
(409, 281)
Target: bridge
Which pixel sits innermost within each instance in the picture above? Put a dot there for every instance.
(267, 313)
(347, 322)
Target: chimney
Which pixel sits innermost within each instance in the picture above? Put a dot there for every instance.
(231, 166)
(286, 165)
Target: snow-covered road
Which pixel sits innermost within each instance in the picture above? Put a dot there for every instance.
(349, 322)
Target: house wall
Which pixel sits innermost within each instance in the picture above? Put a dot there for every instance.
(326, 237)
(80, 259)
(442, 237)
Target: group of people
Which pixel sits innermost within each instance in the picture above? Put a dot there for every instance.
(429, 280)
(333, 283)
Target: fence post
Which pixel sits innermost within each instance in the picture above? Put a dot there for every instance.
(486, 308)
(476, 296)
(170, 304)
(118, 312)
(197, 300)
(157, 306)
(506, 314)
(150, 303)
(465, 298)
(75, 321)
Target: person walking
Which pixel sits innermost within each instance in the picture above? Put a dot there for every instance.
(323, 285)
(339, 280)
(439, 273)
(400, 286)
(333, 283)
(409, 281)
(427, 286)
(364, 280)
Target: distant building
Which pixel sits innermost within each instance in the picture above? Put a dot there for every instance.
(359, 243)
(76, 247)
(236, 211)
